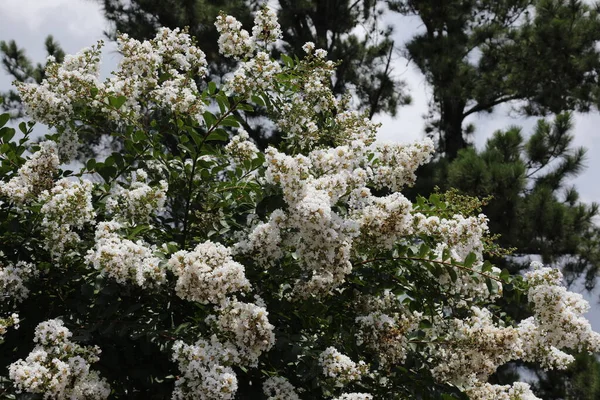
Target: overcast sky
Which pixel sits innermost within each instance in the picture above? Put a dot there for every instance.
(79, 23)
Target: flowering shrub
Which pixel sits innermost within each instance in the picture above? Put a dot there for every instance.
(191, 264)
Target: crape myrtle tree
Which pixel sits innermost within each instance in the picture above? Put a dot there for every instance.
(350, 31)
(541, 56)
(220, 271)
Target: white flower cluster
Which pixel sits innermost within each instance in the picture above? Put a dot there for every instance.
(279, 388)
(383, 220)
(518, 391)
(142, 71)
(67, 206)
(240, 148)
(320, 237)
(266, 27)
(355, 396)
(385, 327)
(237, 43)
(297, 117)
(264, 240)
(397, 163)
(475, 348)
(351, 125)
(308, 47)
(160, 72)
(253, 76)
(207, 274)
(58, 368)
(205, 370)
(68, 145)
(137, 203)
(13, 278)
(34, 176)
(249, 328)
(234, 41)
(206, 366)
(124, 260)
(5, 323)
(462, 235)
(558, 320)
(340, 367)
(64, 86)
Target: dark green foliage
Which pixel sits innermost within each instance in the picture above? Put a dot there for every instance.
(581, 381)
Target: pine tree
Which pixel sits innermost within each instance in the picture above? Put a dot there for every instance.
(16, 63)
(477, 54)
(535, 211)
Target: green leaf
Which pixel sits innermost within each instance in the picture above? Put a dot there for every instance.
(209, 119)
(7, 134)
(486, 267)
(223, 102)
(137, 230)
(258, 100)
(230, 121)
(91, 164)
(117, 102)
(469, 260)
(107, 172)
(287, 60)
(23, 127)
(212, 88)
(218, 135)
(4, 119)
(196, 137)
(424, 251)
(139, 136)
(453, 274)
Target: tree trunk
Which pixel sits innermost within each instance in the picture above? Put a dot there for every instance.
(451, 127)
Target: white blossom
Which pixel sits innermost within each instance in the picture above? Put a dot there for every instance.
(205, 370)
(124, 260)
(67, 207)
(279, 388)
(34, 176)
(13, 277)
(249, 328)
(340, 367)
(233, 40)
(266, 27)
(58, 368)
(208, 274)
(139, 201)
